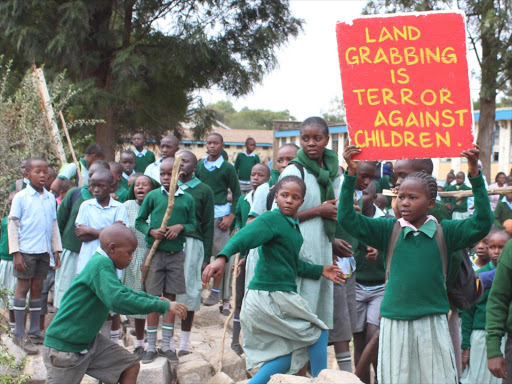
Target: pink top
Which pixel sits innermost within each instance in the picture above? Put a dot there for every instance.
(404, 223)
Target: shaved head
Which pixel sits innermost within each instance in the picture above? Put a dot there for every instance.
(189, 156)
(117, 234)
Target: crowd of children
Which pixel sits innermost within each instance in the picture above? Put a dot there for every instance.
(325, 258)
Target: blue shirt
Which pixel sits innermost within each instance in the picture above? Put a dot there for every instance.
(36, 213)
(218, 210)
(68, 172)
(153, 170)
(93, 215)
(141, 153)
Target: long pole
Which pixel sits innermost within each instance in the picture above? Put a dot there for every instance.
(460, 194)
(70, 145)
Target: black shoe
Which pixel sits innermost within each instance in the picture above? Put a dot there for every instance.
(238, 349)
(149, 357)
(36, 339)
(182, 353)
(139, 352)
(171, 356)
(212, 299)
(225, 312)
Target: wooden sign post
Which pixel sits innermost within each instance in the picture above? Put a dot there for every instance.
(405, 85)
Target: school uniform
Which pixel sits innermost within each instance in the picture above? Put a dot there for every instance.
(7, 279)
(502, 213)
(123, 183)
(243, 165)
(242, 214)
(143, 159)
(153, 170)
(93, 215)
(460, 210)
(275, 320)
(274, 176)
(121, 193)
(73, 346)
(166, 272)
(473, 338)
(18, 185)
(198, 244)
(71, 244)
(414, 343)
(69, 172)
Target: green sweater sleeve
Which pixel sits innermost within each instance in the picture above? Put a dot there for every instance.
(498, 303)
(310, 271)
(498, 223)
(373, 232)
(460, 234)
(467, 326)
(245, 239)
(258, 159)
(64, 210)
(145, 210)
(191, 224)
(237, 162)
(234, 185)
(121, 299)
(238, 215)
(207, 224)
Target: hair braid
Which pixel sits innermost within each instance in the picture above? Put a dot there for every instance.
(429, 182)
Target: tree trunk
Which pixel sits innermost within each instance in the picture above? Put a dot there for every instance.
(106, 133)
(485, 130)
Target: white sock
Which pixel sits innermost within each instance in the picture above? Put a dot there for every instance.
(172, 347)
(139, 343)
(13, 326)
(226, 305)
(185, 337)
(114, 336)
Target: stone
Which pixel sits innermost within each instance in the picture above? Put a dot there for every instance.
(194, 369)
(221, 378)
(243, 381)
(34, 365)
(207, 317)
(289, 379)
(232, 364)
(89, 380)
(156, 372)
(332, 376)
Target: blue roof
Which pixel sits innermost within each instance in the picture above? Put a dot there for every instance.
(501, 114)
(332, 129)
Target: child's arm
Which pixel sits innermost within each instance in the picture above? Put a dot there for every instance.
(13, 231)
(207, 223)
(82, 230)
(314, 271)
(467, 328)
(234, 186)
(237, 163)
(141, 222)
(56, 244)
(498, 223)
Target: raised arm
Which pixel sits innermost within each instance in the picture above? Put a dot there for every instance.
(207, 225)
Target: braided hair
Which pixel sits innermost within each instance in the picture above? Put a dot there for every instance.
(291, 179)
(428, 181)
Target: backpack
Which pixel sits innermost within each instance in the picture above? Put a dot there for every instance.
(468, 288)
(272, 193)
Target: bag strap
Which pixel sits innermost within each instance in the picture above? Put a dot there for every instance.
(75, 196)
(397, 229)
(441, 244)
(300, 167)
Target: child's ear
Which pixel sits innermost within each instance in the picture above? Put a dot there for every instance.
(111, 248)
(432, 204)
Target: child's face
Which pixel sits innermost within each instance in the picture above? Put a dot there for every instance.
(128, 163)
(449, 178)
(289, 198)
(251, 146)
(402, 169)
(284, 156)
(460, 178)
(101, 187)
(166, 173)
(122, 254)
(38, 174)
(413, 202)
(368, 197)
(142, 187)
(214, 145)
(501, 179)
(365, 173)
(188, 165)
(313, 141)
(138, 141)
(381, 201)
(168, 148)
(482, 250)
(259, 175)
(496, 243)
(509, 197)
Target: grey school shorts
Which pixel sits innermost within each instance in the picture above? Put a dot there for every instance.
(368, 307)
(344, 311)
(166, 274)
(104, 360)
(37, 266)
(508, 360)
(220, 237)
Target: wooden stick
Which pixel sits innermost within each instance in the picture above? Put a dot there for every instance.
(70, 145)
(460, 194)
(233, 300)
(167, 215)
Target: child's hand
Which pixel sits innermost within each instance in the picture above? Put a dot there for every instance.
(349, 152)
(81, 230)
(19, 263)
(56, 258)
(333, 273)
(114, 196)
(215, 269)
(178, 309)
(158, 234)
(472, 155)
(226, 222)
(328, 210)
(498, 367)
(372, 254)
(241, 264)
(341, 248)
(465, 358)
(203, 267)
(174, 231)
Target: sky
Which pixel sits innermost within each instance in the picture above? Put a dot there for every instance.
(308, 77)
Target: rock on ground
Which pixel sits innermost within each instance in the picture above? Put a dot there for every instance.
(34, 365)
(221, 378)
(194, 369)
(159, 371)
(289, 379)
(232, 364)
(327, 376)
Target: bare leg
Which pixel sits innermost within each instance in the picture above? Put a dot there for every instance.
(186, 325)
(369, 355)
(139, 328)
(129, 376)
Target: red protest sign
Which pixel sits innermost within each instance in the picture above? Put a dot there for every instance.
(406, 85)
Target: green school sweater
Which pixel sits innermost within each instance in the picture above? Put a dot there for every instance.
(155, 204)
(499, 304)
(416, 286)
(474, 317)
(13, 186)
(463, 206)
(203, 198)
(244, 164)
(242, 211)
(4, 240)
(123, 183)
(370, 273)
(219, 180)
(121, 193)
(66, 217)
(142, 162)
(501, 214)
(279, 240)
(274, 176)
(440, 212)
(86, 304)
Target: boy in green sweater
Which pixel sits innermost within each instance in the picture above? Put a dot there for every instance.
(120, 192)
(127, 161)
(220, 176)
(144, 156)
(503, 211)
(244, 163)
(166, 274)
(73, 346)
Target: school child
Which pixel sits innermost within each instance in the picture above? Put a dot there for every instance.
(503, 211)
(64, 187)
(33, 234)
(68, 172)
(198, 244)
(459, 207)
(169, 145)
(220, 176)
(7, 279)
(381, 202)
(73, 346)
(280, 329)
(22, 183)
(143, 156)
(481, 254)
(414, 342)
(127, 161)
(244, 163)
(499, 181)
(71, 244)
(52, 175)
(474, 353)
(119, 192)
(166, 275)
(285, 154)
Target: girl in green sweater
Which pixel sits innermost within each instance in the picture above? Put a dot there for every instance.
(280, 330)
(414, 343)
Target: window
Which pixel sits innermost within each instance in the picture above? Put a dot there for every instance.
(335, 146)
(495, 156)
(239, 146)
(227, 146)
(187, 145)
(200, 145)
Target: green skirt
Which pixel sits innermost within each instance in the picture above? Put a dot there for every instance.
(194, 256)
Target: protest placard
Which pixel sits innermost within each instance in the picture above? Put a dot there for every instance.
(405, 85)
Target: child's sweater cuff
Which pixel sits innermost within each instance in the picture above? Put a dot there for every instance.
(477, 181)
(493, 348)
